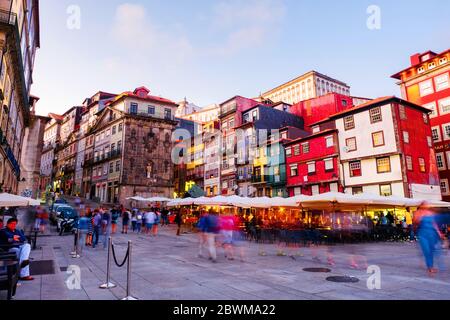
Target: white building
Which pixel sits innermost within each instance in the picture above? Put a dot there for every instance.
(386, 149)
(310, 85)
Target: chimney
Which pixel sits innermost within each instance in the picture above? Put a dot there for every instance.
(415, 59)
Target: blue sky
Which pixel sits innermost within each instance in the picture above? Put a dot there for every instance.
(210, 50)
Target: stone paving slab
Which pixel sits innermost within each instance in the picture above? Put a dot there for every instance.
(167, 267)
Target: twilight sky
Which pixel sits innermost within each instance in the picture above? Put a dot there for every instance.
(211, 50)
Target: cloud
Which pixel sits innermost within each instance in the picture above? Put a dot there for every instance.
(246, 24)
(133, 30)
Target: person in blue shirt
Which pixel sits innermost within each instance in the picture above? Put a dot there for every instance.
(16, 241)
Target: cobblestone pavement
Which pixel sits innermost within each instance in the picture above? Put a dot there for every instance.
(167, 267)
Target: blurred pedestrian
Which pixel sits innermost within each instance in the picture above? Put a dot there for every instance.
(133, 221)
(125, 221)
(226, 225)
(105, 220)
(139, 220)
(90, 229)
(202, 239)
(97, 223)
(429, 237)
(114, 218)
(156, 222)
(178, 220)
(212, 230)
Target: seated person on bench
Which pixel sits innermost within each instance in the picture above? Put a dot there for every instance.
(10, 236)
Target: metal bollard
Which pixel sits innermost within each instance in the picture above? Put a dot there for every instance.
(76, 254)
(129, 297)
(108, 284)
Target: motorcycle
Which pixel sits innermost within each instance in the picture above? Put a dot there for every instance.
(68, 225)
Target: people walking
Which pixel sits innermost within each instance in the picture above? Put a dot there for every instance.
(139, 221)
(156, 222)
(178, 221)
(114, 219)
(133, 221)
(202, 238)
(212, 229)
(105, 220)
(125, 221)
(150, 217)
(429, 237)
(97, 223)
(90, 229)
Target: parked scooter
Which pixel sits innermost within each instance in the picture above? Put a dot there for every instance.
(68, 225)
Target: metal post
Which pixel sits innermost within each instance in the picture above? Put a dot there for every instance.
(76, 254)
(129, 297)
(108, 284)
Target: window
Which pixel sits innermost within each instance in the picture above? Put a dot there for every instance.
(431, 65)
(444, 106)
(430, 142)
(117, 166)
(357, 190)
(375, 115)
(355, 169)
(421, 70)
(446, 129)
(225, 185)
(406, 136)
(436, 134)
(349, 122)
(133, 108)
(296, 150)
(422, 167)
(329, 141)
(426, 88)
(315, 129)
(294, 170)
(425, 118)
(114, 130)
(440, 161)
(442, 61)
(111, 167)
(378, 139)
(385, 190)
(384, 165)
(344, 103)
(441, 82)
(329, 164)
(402, 111)
(351, 144)
(432, 107)
(119, 145)
(288, 152)
(444, 186)
(167, 114)
(108, 133)
(151, 110)
(120, 127)
(305, 147)
(311, 167)
(409, 164)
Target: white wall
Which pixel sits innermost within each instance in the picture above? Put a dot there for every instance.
(363, 132)
(397, 189)
(370, 175)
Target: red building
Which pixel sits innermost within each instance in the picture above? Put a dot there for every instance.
(312, 164)
(317, 109)
(426, 83)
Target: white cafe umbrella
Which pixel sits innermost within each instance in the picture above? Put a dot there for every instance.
(11, 200)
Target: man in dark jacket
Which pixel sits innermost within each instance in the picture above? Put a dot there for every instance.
(15, 240)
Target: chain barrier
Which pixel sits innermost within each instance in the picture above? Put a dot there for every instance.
(120, 265)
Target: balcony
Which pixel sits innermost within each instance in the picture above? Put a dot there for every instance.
(227, 110)
(108, 156)
(88, 163)
(9, 25)
(259, 178)
(276, 179)
(155, 116)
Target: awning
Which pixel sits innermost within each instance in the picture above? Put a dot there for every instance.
(11, 200)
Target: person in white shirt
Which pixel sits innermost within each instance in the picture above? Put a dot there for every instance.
(150, 220)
